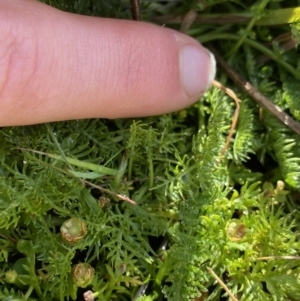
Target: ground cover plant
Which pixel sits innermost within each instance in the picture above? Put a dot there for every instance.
(215, 218)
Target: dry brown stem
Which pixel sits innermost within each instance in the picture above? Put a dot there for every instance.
(256, 95)
(222, 284)
(230, 93)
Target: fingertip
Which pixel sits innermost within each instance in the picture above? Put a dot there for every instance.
(197, 66)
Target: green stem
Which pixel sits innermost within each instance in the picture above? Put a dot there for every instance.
(250, 25)
(96, 294)
(28, 293)
(256, 45)
(151, 174)
(130, 168)
(161, 273)
(121, 171)
(38, 289)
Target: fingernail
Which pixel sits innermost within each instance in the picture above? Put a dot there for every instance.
(198, 69)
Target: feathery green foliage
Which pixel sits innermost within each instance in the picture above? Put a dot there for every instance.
(64, 228)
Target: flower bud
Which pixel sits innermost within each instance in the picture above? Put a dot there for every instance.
(123, 268)
(280, 185)
(11, 276)
(235, 230)
(89, 296)
(73, 230)
(82, 274)
(104, 202)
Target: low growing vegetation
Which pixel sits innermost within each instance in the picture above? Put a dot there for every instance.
(210, 223)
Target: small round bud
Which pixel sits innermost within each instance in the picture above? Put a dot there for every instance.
(11, 276)
(235, 230)
(280, 185)
(88, 296)
(104, 202)
(122, 268)
(82, 274)
(73, 230)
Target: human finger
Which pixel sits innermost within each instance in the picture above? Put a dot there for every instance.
(60, 66)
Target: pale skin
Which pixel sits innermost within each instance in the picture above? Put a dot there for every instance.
(59, 66)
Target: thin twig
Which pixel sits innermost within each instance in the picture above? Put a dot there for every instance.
(278, 257)
(230, 93)
(14, 241)
(114, 194)
(257, 96)
(205, 19)
(222, 284)
(135, 10)
(188, 20)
